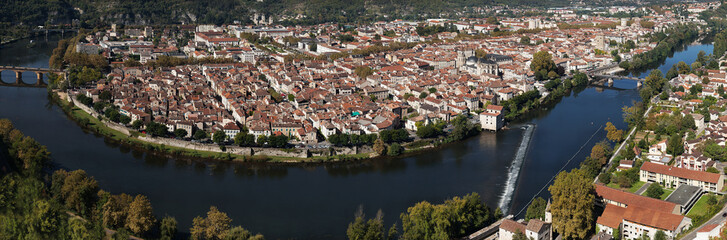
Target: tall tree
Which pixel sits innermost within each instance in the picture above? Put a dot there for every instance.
(168, 228)
(542, 64)
(536, 210)
(212, 227)
(572, 205)
(141, 217)
(116, 210)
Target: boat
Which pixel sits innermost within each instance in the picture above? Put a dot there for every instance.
(31, 44)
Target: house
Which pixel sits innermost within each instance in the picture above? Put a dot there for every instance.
(674, 177)
(709, 231)
(533, 229)
(231, 129)
(492, 119)
(657, 153)
(694, 161)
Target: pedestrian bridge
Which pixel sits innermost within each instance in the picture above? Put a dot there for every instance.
(39, 72)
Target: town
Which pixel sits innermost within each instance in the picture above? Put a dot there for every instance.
(277, 81)
(271, 93)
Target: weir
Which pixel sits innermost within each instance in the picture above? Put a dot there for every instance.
(514, 171)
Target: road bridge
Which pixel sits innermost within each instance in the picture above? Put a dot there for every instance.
(39, 72)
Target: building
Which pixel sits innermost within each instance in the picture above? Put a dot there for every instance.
(533, 229)
(491, 119)
(673, 177)
(637, 215)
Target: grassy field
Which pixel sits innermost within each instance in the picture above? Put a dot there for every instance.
(700, 208)
(634, 187)
(663, 195)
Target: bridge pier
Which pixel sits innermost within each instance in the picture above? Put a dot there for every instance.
(40, 78)
(18, 77)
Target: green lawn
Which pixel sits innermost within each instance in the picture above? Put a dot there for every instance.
(663, 195)
(666, 193)
(700, 208)
(634, 187)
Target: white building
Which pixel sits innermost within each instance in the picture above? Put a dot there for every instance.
(491, 119)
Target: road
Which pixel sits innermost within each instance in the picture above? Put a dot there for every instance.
(642, 189)
(620, 147)
(715, 220)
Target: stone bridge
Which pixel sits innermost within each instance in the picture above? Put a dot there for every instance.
(39, 72)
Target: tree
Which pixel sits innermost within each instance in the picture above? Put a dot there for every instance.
(244, 139)
(395, 149)
(675, 146)
(115, 210)
(453, 219)
(77, 191)
(598, 153)
(219, 137)
(660, 235)
(239, 233)
(214, 226)
(536, 210)
(137, 124)
(363, 71)
(655, 80)
(480, 53)
(156, 129)
(393, 233)
(180, 133)
(313, 47)
(654, 191)
(519, 235)
(613, 133)
(683, 68)
(200, 134)
(542, 63)
(168, 228)
(141, 217)
(362, 229)
(712, 170)
(379, 147)
(572, 204)
(525, 40)
(491, 20)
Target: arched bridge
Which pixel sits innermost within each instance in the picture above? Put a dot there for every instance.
(617, 77)
(39, 72)
(608, 72)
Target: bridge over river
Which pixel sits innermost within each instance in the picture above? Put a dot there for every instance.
(39, 72)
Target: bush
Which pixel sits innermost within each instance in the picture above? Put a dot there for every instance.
(654, 191)
(394, 149)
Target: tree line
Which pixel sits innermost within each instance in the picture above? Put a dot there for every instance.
(71, 205)
(455, 218)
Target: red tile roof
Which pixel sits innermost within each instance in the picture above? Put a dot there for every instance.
(512, 226)
(630, 199)
(612, 216)
(656, 219)
(681, 172)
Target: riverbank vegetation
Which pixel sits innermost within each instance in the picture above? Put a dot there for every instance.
(455, 218)
(71, 205)
(667, 42)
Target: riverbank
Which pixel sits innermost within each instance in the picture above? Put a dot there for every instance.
(87, 119)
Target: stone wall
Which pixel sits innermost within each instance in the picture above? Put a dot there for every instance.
(296, 153)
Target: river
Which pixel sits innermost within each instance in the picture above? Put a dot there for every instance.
(318, 201)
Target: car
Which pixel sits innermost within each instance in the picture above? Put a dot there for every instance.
(724, 214)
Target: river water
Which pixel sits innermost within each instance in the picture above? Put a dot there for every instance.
(318, 201)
